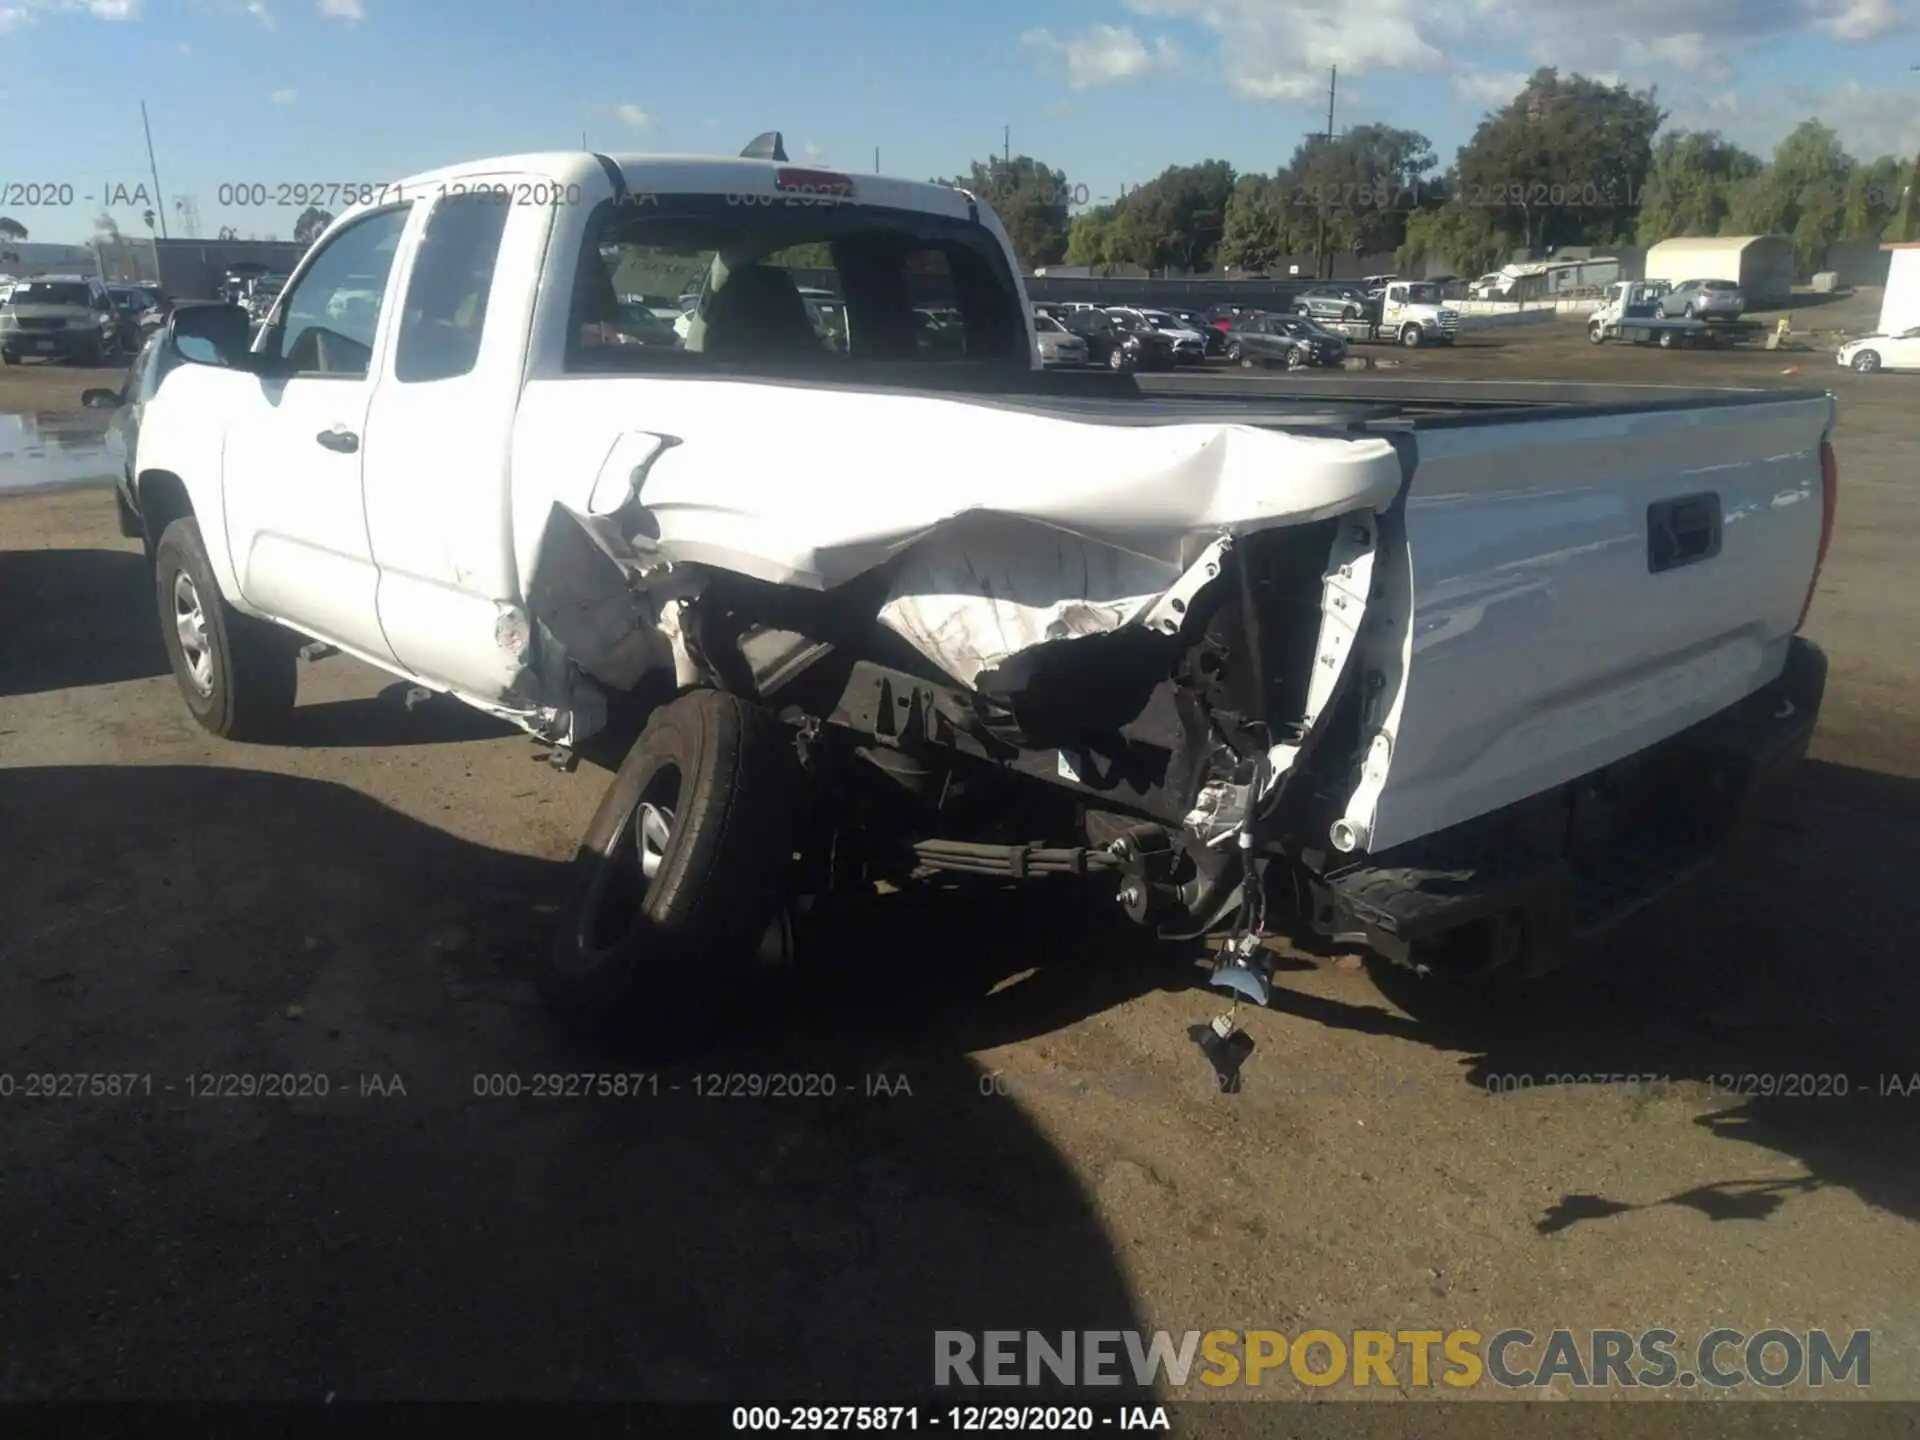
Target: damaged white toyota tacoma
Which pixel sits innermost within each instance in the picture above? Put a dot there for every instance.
(1461, 681)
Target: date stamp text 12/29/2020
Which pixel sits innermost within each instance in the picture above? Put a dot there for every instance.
(200, 1085)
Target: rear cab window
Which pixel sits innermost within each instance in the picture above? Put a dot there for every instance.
(445, 314)
(823, 287)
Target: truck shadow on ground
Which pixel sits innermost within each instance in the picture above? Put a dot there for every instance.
(414, 1231)
(1781, 983)
(77, 618)
(386, 719)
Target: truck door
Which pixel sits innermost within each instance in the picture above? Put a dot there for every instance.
(440, 434)
(291, 475)
(1391, 306)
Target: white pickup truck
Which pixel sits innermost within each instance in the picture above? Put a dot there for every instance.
(1458, 682)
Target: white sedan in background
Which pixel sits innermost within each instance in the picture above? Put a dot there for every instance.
(1882, 352)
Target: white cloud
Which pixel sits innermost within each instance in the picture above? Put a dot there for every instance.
(1872, 120)
(258, 10)
(284, 97)
(22, 13)
(1282, 50)
(1491, 88)
(811, 151)
(633, 115)
(351, 10)
(1104, 55)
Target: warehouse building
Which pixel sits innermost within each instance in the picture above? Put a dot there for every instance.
(1761, 265)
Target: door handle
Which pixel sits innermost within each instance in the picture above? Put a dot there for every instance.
(339, 438)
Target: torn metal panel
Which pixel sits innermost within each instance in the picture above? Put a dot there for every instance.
(1345, 590)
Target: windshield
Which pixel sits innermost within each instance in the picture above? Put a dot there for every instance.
(1047, 325)
(1423, 294)
(50, 292)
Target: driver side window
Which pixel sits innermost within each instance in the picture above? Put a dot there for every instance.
(326, 321)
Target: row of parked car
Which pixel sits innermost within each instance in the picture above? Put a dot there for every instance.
(1125, 337)
(75, 319)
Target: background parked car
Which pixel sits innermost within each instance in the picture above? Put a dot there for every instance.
(1883, 352)
(1332, 302)
(1058, 345)
(135, 304)
(1290, 340)
(67, 318)
(1135, 346)
(1705, 300)
(1212, 336)
(1189, 348)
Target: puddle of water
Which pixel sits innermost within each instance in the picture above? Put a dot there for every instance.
(45, 449)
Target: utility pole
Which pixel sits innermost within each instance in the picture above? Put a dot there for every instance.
(876, 159)
(159, 200)
(1006, 145)
(1322, 267)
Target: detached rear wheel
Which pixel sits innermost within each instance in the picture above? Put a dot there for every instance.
(237, 674)
(677, 912)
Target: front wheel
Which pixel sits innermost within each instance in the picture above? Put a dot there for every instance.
(1234, 352)
(237, 674)
(1866, 362)
(1595, 335)
(1296, 359)
(679, 885)
(1116, 359)
(1410, 337)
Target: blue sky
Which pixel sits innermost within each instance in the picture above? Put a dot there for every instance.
(1112, 91)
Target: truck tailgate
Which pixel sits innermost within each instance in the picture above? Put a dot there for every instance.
(1564, 590)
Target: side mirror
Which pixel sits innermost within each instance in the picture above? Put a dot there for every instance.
(212, 335)
(99, 399)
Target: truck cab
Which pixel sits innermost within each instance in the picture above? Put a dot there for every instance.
(1414, 312)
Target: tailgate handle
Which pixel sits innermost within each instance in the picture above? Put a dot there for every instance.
(1682, 532)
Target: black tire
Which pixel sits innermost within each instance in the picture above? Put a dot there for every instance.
(1867, 361)
(664, 961)
(1410, 337)
(248, 681)
(1596, 335)
(1296, 359)
(1116, 359)
(1668, 340)
(1234, 352)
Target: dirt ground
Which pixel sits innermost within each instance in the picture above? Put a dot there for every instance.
(364, 902)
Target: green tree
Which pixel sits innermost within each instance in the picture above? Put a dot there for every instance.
(11, 229)
(1365, 182)
(1563, 162)
(1905, 224)
(1689, 189)
(1873, 194)
(312, 222)
(1802, 194)
(1090, 239)
(1257, 229)
(1177, 218)
(1465, 237)
(1031, 200)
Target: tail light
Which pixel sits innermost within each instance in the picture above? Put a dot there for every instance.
(1829, 497)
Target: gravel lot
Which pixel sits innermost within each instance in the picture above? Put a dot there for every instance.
(364, 901)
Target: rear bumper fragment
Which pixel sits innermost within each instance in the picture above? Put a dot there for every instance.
(1558, 871)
